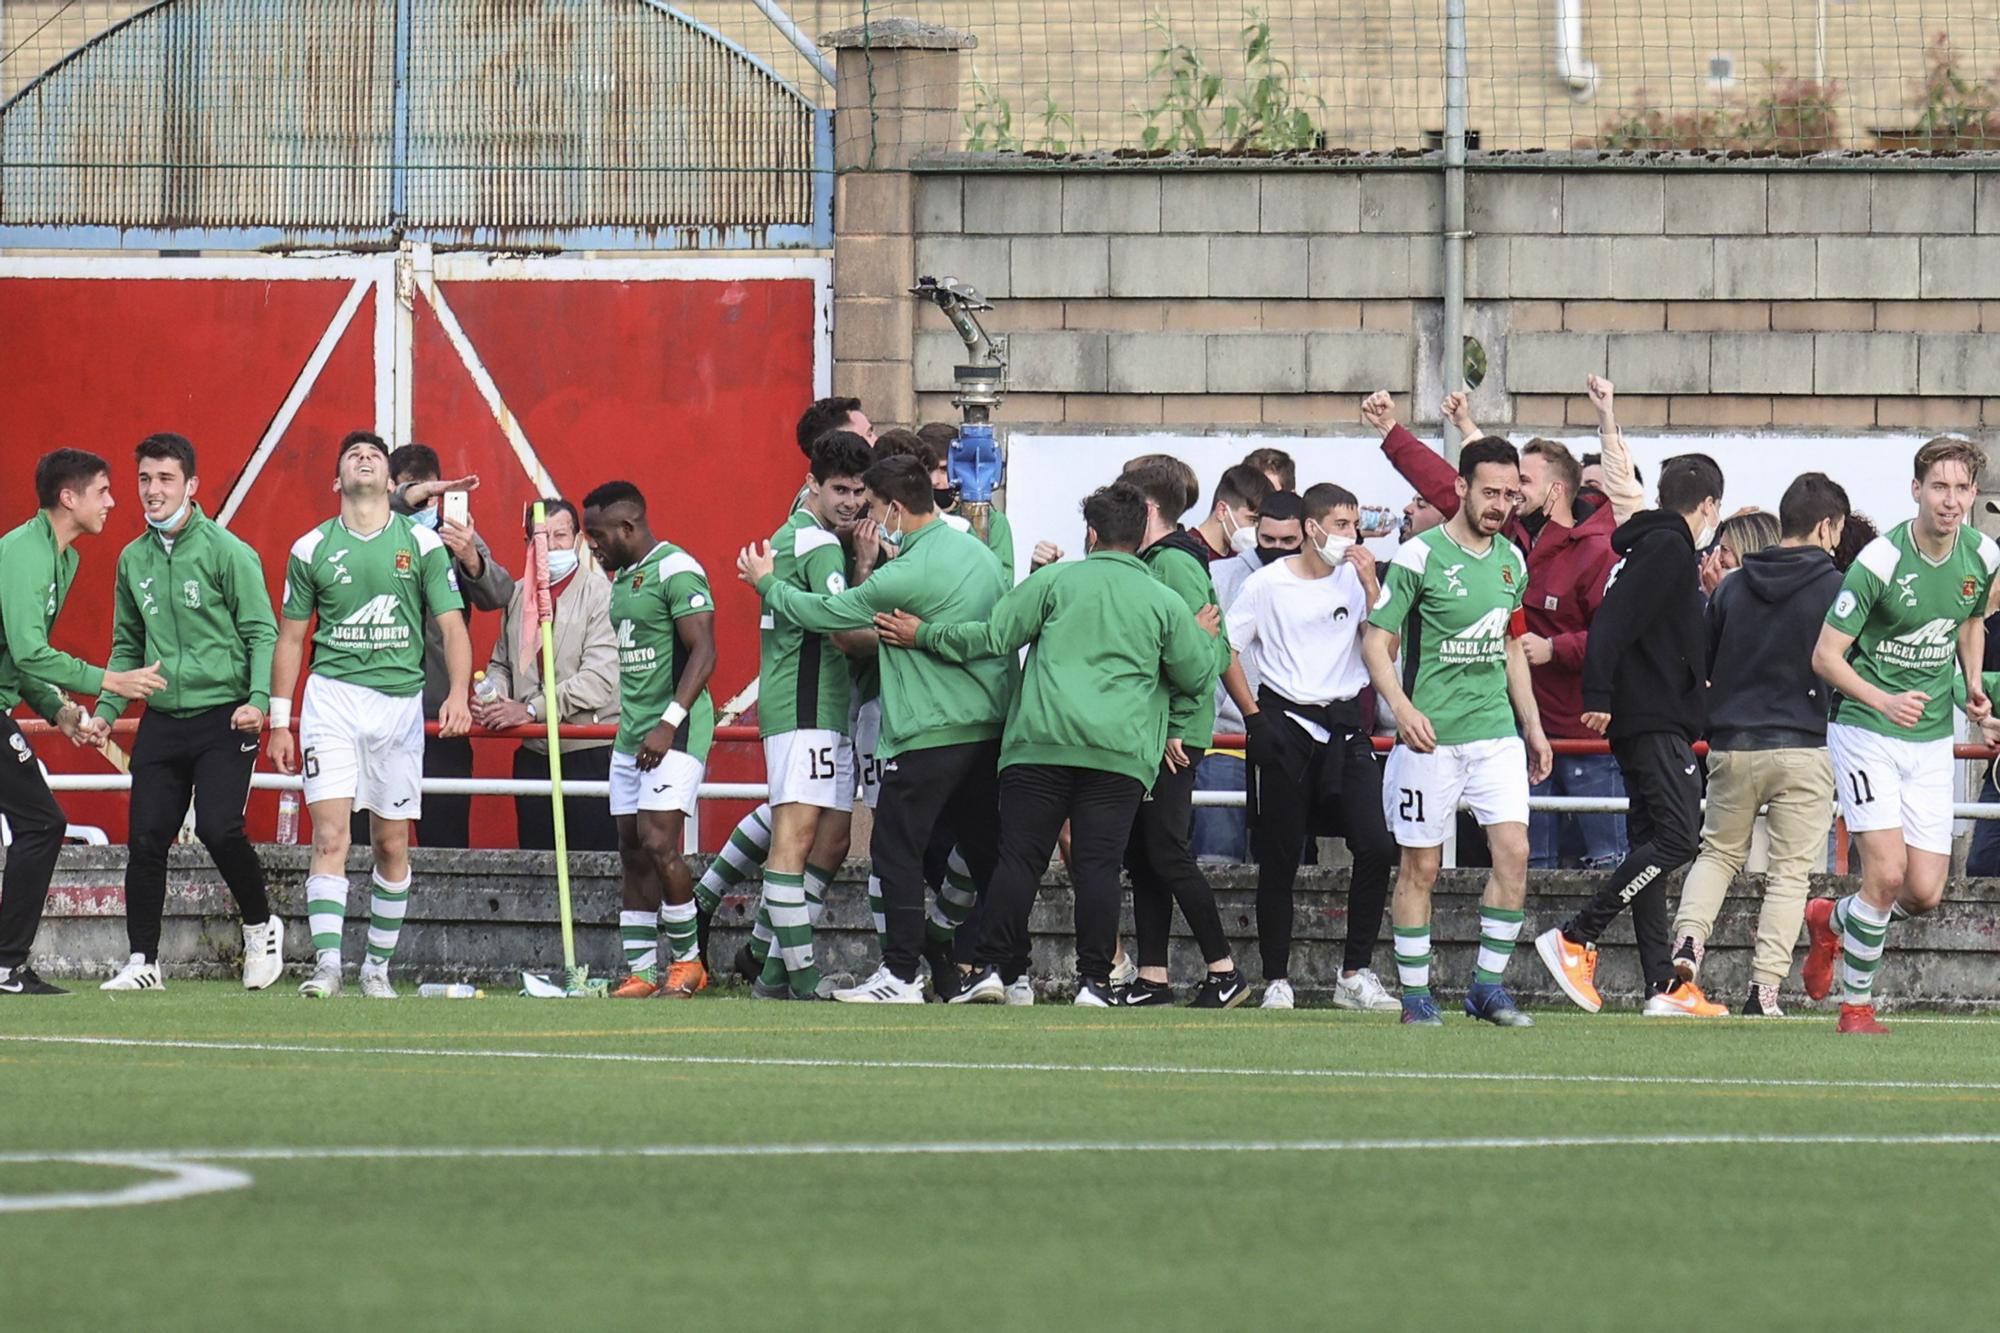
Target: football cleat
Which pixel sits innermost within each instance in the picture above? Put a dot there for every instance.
(1822, 949)
(685, 980)
(638, 986)
(1420, 1011)
(375, 981)
(324, 983)
(1860, 1018)
(1489, 1002)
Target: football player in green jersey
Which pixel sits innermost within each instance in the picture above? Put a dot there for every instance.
(803, 716)
(371, 578)
(1909, 618)
(664, 616)
(1455, 592)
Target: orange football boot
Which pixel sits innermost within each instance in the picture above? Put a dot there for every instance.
(1860, 1018)
(636, 987)
(684, 980)
(1822, 949)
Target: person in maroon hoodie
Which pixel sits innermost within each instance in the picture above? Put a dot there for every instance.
(1568, 547)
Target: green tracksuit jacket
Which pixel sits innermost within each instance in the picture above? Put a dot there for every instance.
(1190, 718)
(202, 612)
(34, 583)
(938, 574)
(1109, 644)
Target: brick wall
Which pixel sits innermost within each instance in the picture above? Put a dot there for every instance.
(1192, 298)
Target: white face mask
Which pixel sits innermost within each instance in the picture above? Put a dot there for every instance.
(1706, 537)
(171, 521)
(426, 517)
(562, 564)
(1331, 548)
(1242, 536)
(893, 540)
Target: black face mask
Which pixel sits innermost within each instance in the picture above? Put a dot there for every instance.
(1535, 522)
(1266, 554)
(945, 497)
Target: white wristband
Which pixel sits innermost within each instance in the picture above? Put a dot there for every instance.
(281, 713)
(675, 714)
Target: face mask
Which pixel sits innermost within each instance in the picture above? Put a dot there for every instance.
(171, 521)
(892, 540)
(945, 497)
(1705, 538)
(1331, 548)
(426, 518)
(1535, 522)
(1266, 554)
(562, 564)
(1242, 537)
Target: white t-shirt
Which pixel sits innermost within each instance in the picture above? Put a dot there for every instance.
(1229, 575)
(1304, 635)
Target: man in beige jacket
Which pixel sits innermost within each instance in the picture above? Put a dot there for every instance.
(586, 691)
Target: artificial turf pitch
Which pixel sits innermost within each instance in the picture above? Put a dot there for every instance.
(510, 1164)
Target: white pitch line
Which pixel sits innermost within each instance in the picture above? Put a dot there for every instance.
(1012, 1067)
(165, 1158)
(183, 1179)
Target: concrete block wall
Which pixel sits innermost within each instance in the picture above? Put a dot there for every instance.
(1191, 297)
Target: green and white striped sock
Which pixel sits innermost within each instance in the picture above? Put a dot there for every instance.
(955, 897)
(762, 937)
(386, 905)
(876, 913)
(1413, 958)
(678, 921)
(741, 857)
(818, 881)
(1499, 928)
(785, 896)
(326, 912)
(1897, 912)
(1860, 948)
(640, 934)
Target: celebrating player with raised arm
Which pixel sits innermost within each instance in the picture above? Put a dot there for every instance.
(1909, 615)
(664, 616)
(1454, 593)
(371, 578)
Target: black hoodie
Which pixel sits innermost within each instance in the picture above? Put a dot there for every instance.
(1763, 622)
(1647, 657)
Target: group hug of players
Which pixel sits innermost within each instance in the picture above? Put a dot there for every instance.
(892, 669)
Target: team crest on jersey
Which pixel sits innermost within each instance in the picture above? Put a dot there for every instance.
(1507, 575)
(403, 563)
(191, 595)
(637, 579)
(1967, 588)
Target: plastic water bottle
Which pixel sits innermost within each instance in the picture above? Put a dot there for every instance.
(484, 690)
(458, 990)
(288, 816)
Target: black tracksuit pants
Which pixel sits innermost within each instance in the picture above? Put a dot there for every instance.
(1035, 799)
(587, 820)
(1164, 871)
(202, 757)
(1296, 778)
(1663, 781)
(954, 785)
(37, 823)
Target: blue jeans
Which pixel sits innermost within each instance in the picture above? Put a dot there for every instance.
(1593, 842)
(1983, 860)
(1219, 830)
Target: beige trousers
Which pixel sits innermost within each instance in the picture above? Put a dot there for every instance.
(1797, 788)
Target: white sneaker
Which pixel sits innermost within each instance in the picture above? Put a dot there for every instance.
(375, 981)
(885, 987)
(1278, 995)
(1364, 990)
(263, 954)
(1124, 972)
(1021, 990)
(324, 983)
(137, 974)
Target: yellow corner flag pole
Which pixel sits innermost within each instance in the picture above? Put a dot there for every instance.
(545, 614)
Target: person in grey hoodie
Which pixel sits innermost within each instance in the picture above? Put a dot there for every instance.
(1767, 713)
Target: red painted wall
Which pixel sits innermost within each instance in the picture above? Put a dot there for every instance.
(688, 388)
